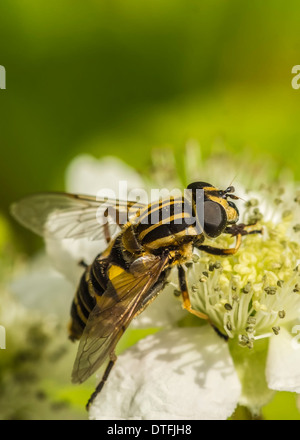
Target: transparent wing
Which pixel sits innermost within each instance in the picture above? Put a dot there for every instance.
(113, 312)
(63, 215)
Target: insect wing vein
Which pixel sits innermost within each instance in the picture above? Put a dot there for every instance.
(63, 215)
(112, 314)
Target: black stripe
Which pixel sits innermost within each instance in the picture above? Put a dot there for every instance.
(162, 231)
(74, 315)
(159, 232)
(213, 193)
(167, 208)
(96, 286)
(116, 255)
(85, 300)
(98, 269)
(174, 228)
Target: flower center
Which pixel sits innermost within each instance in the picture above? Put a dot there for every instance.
(252, 293)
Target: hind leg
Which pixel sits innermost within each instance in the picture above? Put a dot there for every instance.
(101, 384)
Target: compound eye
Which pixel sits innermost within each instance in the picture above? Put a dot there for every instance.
(215, 218)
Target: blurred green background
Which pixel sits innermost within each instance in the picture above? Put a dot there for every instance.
(124, 76)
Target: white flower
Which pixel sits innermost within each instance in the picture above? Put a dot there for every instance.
(186, 370)
(251, 297)
(174, 374)
(282, 369)
(37, 285)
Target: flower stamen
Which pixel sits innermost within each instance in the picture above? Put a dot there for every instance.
(247, 294)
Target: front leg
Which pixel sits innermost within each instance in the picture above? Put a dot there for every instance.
(242, 229)
(219, 251)
(236, 231)
(185, 294)
(187, 303)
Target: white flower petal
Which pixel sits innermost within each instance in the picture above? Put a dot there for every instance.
(185, 373)
(282, 370)
(87, 175)
(42, 288)
(163, 311)
(67, 254)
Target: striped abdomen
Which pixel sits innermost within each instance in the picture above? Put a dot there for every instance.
(93, 282)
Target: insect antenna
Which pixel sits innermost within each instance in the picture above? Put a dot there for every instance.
(230, 189)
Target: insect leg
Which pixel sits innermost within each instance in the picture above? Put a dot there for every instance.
(185, 294)
(220, 251)
(106, 232)
(82, 263)
(219, 333)
(105, 225)
(242, 229)
(100, 385)
(187, 303)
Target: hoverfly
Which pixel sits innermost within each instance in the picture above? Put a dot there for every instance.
(124, 279)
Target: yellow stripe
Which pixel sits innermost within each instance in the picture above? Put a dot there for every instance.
(79, 312)
(210, 188)
(219, 200)
(171, 239)
(161, 242)
(167, 221)
(82, 300)
(153, 207)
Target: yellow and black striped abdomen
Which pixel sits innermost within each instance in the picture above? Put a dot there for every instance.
(92, 283)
